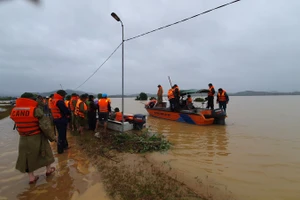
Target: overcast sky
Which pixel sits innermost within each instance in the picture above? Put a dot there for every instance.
(250, 45)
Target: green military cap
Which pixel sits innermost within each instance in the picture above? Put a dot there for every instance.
(28, 95)
(61, 92)
(84, 96)
(68, 97)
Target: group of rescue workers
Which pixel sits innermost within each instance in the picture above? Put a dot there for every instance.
(176, 104)
(34, 116)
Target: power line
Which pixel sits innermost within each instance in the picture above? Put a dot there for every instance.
(100, 66)
(183, 20)
(154, 30)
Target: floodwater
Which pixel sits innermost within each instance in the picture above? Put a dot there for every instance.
(75, 178)
(255, 156)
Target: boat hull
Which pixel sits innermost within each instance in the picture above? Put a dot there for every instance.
(117, 126)
(190, 118)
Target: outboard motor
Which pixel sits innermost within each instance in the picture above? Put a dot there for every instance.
(219, 116)
(139, 121)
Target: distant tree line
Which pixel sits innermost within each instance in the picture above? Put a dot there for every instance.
(6, 98)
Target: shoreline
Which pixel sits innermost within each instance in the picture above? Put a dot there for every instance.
(137, 176)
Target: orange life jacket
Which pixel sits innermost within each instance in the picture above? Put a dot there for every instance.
(73, 103)
(170, 94)
(222, 96)
(49, 103)
(103, 105)
(210, 93)
(67, 103)
(77, 108)
(118, 116)
(56, 114)
(23, 115)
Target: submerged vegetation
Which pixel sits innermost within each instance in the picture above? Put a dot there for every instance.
(129, 176)
(142, 97)
(134, 142)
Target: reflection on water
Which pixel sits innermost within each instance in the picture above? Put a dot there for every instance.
(74, 176)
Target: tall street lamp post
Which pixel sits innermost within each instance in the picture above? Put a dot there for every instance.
(115, 16)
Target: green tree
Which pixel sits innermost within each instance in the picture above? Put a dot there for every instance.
(143, 96)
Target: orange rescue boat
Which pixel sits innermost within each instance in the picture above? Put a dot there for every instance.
(187, 114)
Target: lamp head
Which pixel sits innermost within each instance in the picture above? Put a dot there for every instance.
(115, 16)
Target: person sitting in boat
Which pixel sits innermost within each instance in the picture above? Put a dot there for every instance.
(189, 102)
(117, 115)
(151, 103)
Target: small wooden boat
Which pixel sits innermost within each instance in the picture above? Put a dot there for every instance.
(191, 115)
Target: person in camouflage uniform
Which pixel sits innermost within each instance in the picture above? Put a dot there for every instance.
(34, 148)
(40, 101)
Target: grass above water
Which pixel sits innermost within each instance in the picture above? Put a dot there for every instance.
(130, 176)
(6, 112)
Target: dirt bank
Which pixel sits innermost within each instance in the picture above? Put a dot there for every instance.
(132, 176)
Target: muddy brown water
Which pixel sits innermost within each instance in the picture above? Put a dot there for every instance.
(74, 179)
(255, 156)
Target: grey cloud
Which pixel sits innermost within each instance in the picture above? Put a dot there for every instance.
(249, 45)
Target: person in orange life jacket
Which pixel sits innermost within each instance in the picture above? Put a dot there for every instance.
(222, 99)
(189, 102)
(73, 101)
(60, 115)
(152, 102)
(117, 115)
(86, 125)
(35, 133)
(92, 107)
(104, 109)
(171, 98)
(81, 111)
(210, 96)
(67, 103)
(49, 104)
(176, 92)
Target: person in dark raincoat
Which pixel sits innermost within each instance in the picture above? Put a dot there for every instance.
(60, 114)
(35, 133)
(92, 107)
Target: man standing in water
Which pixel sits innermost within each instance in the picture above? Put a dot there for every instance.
(35, 131)
(210, 96)
(60, 114)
